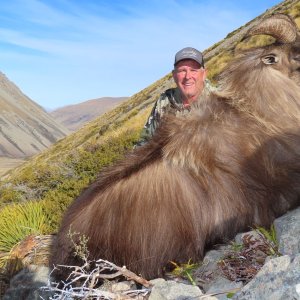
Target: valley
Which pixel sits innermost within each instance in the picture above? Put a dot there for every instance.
(7, 164)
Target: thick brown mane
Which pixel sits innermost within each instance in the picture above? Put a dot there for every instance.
(233, 162)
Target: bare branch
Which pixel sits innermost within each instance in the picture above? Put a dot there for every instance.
(83, 283)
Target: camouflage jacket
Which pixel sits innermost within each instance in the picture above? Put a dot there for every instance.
(168, 102)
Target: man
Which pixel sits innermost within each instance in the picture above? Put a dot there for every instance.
(189, 75)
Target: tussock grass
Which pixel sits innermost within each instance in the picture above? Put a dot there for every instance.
(18, 221)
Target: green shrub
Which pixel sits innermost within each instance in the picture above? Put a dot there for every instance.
(17, 221)
(9, 195)
(56, 201)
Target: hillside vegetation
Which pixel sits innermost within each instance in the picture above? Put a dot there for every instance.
(40, 190)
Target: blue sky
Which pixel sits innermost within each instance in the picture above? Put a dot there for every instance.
(61, 52)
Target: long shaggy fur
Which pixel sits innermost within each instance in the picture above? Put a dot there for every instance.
(233, 162)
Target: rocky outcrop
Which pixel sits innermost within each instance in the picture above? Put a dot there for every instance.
(279, 278)
(28, 283)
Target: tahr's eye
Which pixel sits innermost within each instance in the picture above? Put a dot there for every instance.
(270, 59)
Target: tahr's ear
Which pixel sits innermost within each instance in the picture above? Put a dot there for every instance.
(270, 59)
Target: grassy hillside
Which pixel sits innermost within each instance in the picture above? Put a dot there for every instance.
(40, 190)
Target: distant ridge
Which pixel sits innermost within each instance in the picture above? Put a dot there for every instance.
(25, 127)
(75, 116)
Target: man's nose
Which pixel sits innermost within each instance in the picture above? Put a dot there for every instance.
(188, 74)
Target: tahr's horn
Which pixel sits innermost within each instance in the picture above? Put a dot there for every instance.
(280, 26)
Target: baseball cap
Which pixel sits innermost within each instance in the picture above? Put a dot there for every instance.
(189, 53)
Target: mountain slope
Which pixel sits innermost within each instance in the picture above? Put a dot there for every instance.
(25, 128)
(75, 116)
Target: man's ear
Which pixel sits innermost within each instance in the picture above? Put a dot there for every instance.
(174, 75)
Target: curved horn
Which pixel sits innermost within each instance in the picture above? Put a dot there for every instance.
(279, 26)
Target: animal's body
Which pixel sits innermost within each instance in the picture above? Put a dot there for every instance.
(233, 162)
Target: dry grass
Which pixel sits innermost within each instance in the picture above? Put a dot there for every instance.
(217, 64)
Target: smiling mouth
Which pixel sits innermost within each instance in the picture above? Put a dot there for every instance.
(188, 84)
